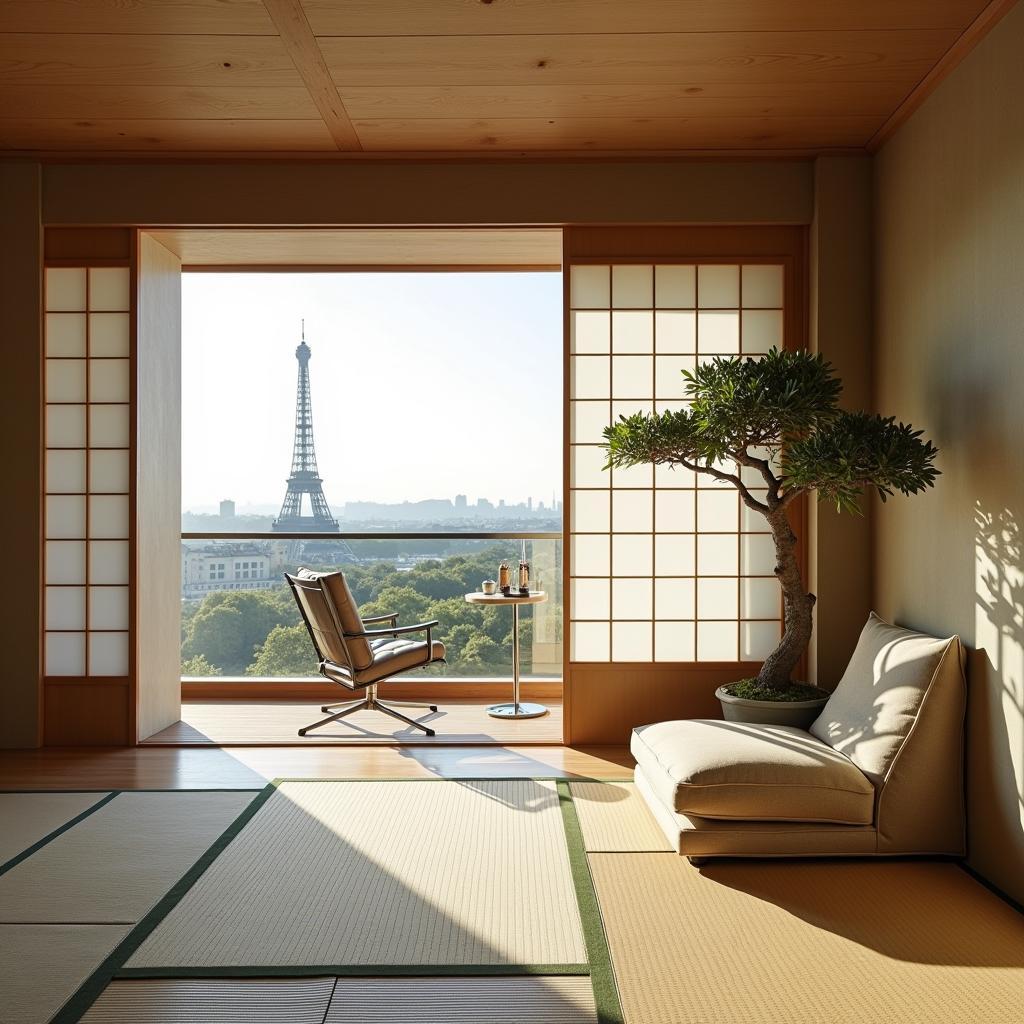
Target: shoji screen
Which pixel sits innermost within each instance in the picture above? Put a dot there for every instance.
(88, 480)
(667, 569)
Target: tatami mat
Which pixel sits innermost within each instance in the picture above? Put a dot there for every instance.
(357, 873)
(25, 818)
(800, 943)
(535, 1000)
(116, 863)
(42, 965)
(614, 818)
(213, 1001)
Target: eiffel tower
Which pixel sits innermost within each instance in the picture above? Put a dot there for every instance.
(304, 478)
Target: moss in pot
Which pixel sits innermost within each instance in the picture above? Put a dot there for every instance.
(771, 427)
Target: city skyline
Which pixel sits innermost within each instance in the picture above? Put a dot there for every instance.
(492, 404)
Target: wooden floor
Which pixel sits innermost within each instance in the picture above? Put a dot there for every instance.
(252, 767)
(274, 723)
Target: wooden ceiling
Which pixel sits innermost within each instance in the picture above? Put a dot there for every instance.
(302, 77)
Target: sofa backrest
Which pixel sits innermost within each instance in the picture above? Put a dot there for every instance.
(348, 615)
(898, 714)
(874, 707)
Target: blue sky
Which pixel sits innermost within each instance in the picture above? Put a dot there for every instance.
(424, 385)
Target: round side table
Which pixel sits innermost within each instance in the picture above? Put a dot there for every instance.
(517, 709)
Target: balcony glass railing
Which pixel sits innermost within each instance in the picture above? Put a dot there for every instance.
(239, 619)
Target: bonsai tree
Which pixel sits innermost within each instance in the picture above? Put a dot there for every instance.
(778, 417)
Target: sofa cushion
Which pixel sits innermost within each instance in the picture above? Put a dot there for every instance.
(348, 615)
(743, 771)
(876, 703)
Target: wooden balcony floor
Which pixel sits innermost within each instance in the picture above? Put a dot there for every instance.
(223, 723)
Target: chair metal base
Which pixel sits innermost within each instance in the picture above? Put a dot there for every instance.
(371, 702)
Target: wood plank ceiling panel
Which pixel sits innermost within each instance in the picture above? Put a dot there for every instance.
(545, 17)
(300, 76)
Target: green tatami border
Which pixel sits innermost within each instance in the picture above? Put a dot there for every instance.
(59, 830)
(599, 968)
(602, 977)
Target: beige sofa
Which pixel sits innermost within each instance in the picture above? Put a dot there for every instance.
(880, 772)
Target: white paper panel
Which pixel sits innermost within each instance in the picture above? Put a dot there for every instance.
(718, 332)
(632, 287)
(669, 382)
(590, 641)
(675, 331)
(750, 520)
(717, 641)
(718, 286)
(591, 331)
(762, 330)
(109, 472)
(762, 285)
(65, 516)
(717, 555)
(717, 599)
(108, 516)
(632, 599)
(758, 555)
(108, 289)
(65, 561)
(633, 331)
(674, 641)
(108, 654)
(673, 554)
(65, 654)
(632, 511)
(591, 555)
(65, 426)
(632, 377)
(586, 467)
(674, 598)
(108, 561)
(675, 286)
(674, 511)
(674, 476)
(718, 511)
(65, 380)
(591, 512)
(65, 288)
(631, 641)
(109, 334)
(590, 599)
(109, 426)
(587, 420)
(108, 380)
(590, 376)
(758, 639)
(627, 407)
(632, 555)
(65, 334)
(760, 598)
(65, 607)
(633, 476)
(65, 471)
(589, 287)
(108, 607)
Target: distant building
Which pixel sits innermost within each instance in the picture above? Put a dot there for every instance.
(233, 567)
(227, 509)
(460, 501)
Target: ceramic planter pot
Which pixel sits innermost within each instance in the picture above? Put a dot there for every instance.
(797, 713)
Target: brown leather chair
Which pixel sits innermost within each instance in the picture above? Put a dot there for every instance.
(352, 655)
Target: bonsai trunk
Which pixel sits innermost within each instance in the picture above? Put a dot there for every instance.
(797, 605)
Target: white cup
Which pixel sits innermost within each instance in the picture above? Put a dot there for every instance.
(489, 586)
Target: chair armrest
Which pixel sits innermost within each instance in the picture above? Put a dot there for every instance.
(392, 618)
(397, 630)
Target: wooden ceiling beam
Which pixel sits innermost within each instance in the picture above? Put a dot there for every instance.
(301, 45)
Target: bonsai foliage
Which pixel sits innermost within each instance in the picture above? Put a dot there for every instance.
(774, 423)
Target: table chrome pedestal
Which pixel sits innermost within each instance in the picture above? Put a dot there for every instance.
(516, 708)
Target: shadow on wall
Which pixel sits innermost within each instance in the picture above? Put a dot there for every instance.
(995, 762)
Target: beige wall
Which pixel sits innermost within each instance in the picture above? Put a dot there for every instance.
(949, 194)
(840, 329)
